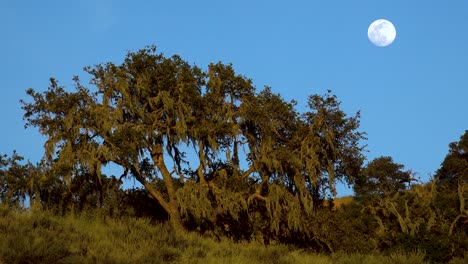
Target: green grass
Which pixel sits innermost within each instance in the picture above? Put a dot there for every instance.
(39, 237)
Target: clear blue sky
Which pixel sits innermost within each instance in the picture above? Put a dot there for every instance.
(412, 94)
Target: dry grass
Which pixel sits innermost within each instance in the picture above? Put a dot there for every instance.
(27, 237)
(340, 201)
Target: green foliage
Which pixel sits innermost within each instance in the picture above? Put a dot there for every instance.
(382, 176)
(18, 181)
(454, 168)
(416, 220)
(144, 113)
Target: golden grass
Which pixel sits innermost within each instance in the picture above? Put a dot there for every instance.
(27, 237)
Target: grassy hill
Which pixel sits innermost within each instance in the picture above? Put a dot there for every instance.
(39, 237)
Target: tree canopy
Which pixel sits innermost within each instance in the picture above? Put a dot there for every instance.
(382, 176)
(454, 168)
(253, 149)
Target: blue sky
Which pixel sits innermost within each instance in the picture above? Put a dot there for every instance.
(412, 94)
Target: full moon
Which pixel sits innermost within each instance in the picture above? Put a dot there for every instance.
(381, 33)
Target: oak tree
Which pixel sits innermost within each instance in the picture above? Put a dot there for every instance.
(253, 154)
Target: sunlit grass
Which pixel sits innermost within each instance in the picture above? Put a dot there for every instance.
(340, 201)
(39, 237)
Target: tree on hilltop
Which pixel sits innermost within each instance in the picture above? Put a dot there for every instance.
(382, 176)
(454, 168)
(252, 149)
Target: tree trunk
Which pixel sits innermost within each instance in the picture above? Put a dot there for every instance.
(172, 206)
(176, 221)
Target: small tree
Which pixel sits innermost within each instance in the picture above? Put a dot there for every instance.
(454, 168)
(382, 176)
(18, 181)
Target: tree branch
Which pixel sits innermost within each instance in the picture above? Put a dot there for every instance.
(258, 190)
(202, 165)
(247, 173)
(258, 196)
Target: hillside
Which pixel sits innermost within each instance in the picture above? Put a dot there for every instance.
(41, 238)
